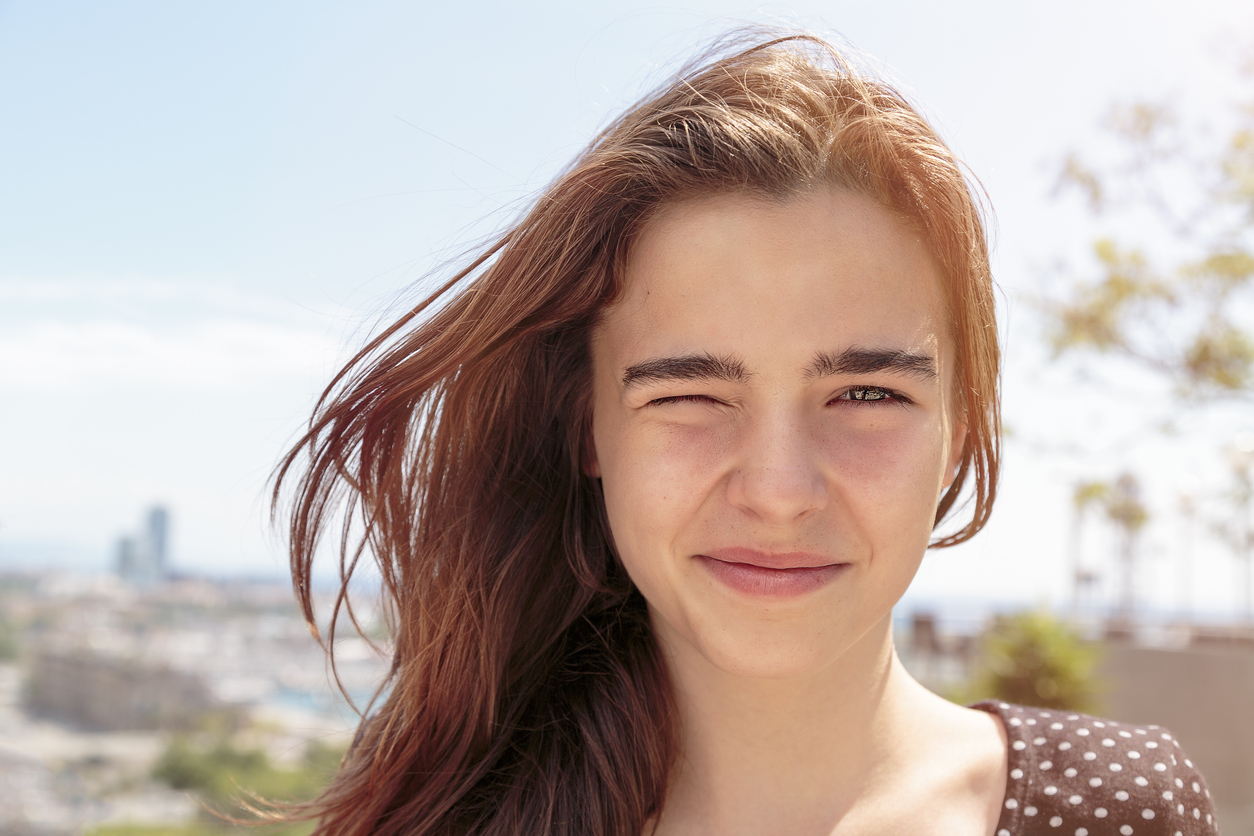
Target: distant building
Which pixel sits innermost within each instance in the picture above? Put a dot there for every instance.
(145, 559)
(107, 692)
(155, 539)
(35, 801)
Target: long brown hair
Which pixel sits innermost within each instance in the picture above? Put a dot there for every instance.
(527, 694)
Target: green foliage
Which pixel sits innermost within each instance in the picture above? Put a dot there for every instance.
(199, 829)
(1124, 506)
(1090, 493)
(196, 829)
(232, 781)
(1032, 658)
(1179, 315)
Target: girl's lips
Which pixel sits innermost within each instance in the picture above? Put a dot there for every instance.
(770, 560)
(762, 581)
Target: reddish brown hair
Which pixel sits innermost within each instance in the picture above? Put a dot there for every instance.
(526, 693)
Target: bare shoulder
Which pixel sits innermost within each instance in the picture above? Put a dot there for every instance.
(950, 777)
(964, 773)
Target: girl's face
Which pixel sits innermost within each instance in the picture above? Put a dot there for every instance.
(773, 425)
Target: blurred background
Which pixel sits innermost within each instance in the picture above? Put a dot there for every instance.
(204, 208)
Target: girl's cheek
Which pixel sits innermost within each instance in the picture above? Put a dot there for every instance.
(672, 477)
(903, 462)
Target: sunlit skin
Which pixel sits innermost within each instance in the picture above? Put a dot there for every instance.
(773, 424)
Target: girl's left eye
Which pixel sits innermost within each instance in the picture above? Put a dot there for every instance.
(681, 399)
(871, 394)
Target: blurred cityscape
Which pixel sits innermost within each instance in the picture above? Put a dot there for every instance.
(140, 701)
(111, 687)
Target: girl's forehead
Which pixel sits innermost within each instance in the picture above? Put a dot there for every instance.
(830, 268)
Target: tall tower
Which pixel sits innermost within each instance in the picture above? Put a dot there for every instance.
(156, 536)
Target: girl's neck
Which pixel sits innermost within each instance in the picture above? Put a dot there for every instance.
(763, 755)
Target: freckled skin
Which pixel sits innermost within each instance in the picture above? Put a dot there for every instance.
(780, 461)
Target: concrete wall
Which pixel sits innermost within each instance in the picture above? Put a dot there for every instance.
(1205, 697)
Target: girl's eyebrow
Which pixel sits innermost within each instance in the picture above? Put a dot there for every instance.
(853, 360)
(687, 367)
(857, 360)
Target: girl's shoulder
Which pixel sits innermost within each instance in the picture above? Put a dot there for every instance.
(1070, 773)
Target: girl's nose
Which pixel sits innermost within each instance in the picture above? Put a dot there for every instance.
(779, 480)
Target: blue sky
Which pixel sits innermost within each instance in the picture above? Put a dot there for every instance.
(203, 207)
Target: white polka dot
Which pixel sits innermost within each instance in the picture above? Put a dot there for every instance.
(1208, 818)
(1011, 804)
(1165, 736)
(1167, 795)
(1055, 821)
(1046, 714)
(1095, 782)
(1075, 800)
(1004, 704)
(1134, 754)
(1126, 830)
(1177, 833)
(1196, 786)
(1147, 813)
(1064, 746)
(1179, 783)
(1150, 744)
(1100, 812)
(1160, 767)
(1114, 767)
(1082, 732)
(1003, 832)
(1055, 726)
(1038, 741)
(1069, 772)
(1019, 746)
(1180, 809)
(1188, 763)
(1099, 724)
(1142, 781)
(1073, 716)
(1046, 765)
(1081, 831)
(1106, 741)
(1029, 811)
(1197, 814)
(1122, 795)
(1031, 721)
(1051, 790)
(1090, 756)
(1016, 773)
(1015, 721)
(1125, 734)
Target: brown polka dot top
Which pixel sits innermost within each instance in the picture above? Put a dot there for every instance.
(1075, 775)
